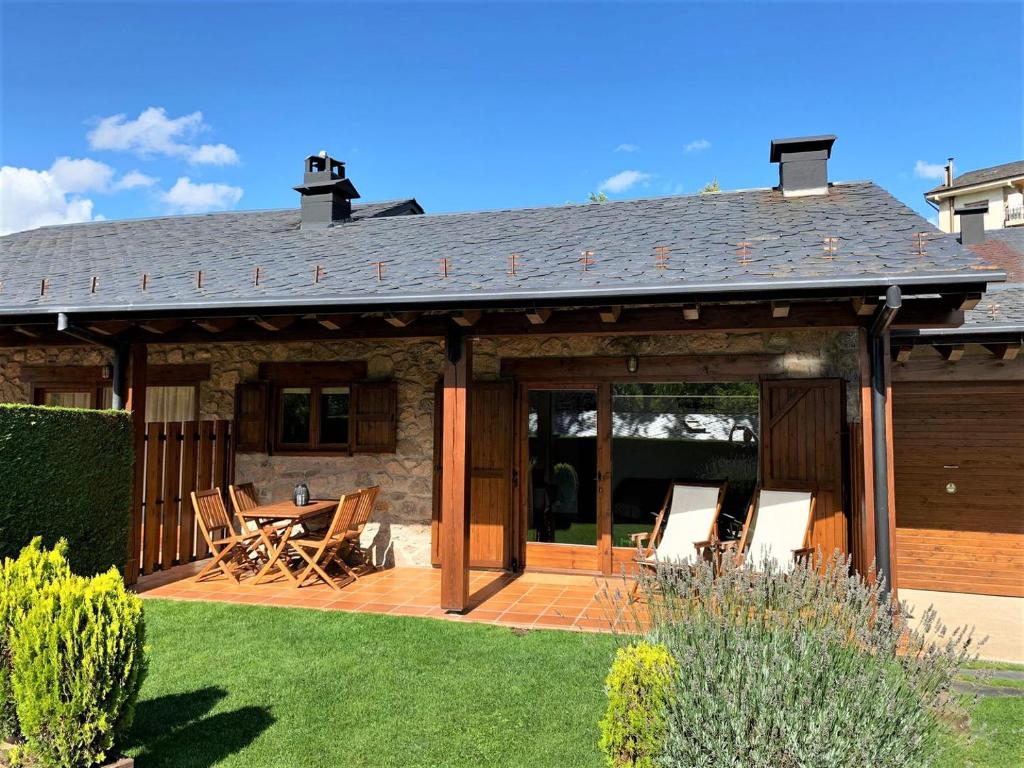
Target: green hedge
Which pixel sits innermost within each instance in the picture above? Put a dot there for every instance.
(66, 472)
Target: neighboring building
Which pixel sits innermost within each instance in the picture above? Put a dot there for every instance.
(1001, 187)
(437, 355)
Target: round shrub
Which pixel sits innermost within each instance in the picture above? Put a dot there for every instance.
(77, 663)
(639, 685)
(21, 579)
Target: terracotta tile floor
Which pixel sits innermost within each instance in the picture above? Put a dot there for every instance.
(531, 600)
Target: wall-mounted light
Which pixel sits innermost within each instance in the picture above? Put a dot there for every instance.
(107, 372)
(632, 363)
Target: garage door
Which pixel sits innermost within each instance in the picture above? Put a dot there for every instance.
(959, 456)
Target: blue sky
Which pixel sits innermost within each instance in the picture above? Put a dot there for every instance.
(178, 107)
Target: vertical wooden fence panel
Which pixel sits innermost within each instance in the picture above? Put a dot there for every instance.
(179, 457)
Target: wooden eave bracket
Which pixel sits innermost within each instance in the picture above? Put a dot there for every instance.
(1004, 351)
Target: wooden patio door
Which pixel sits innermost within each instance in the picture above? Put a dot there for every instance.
(491, 449)
(801, 447)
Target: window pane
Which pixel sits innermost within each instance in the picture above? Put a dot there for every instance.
(688, 432)
(334, 403)
(108, 398)
(295, 403)
(67, 399)
(170, 403)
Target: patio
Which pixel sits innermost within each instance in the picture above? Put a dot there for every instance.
(527, 601)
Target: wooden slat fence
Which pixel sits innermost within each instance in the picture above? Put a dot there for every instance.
(179, 457)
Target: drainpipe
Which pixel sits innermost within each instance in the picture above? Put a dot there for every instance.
(878, 340)
(119, 377)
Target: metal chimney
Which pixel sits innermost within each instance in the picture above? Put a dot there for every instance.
(803, 164)
(949, 172)
(326, 194)
(972, 223)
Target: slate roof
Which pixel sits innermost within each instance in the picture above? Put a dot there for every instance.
(982, 176)
(754, 240)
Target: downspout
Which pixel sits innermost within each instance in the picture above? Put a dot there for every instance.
(878, 340)
(119, 376)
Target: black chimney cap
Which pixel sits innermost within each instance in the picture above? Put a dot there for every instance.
(802, 144)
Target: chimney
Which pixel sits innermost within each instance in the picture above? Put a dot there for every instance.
(803, 164)
(972, 223)
(949, 172)
(326, 194)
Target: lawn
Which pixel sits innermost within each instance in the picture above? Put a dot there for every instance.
(234, 685)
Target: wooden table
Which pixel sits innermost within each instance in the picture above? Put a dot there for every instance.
(283, 512)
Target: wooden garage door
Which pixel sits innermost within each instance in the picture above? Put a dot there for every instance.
(491, 479)
(970, 435)
(801, 428)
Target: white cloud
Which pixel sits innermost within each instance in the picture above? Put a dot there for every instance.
(925, 170)
(622, 181)
(135, 179)
(627, 148)
(186, 197)
(82, 175)
(698, 145)
(30, 199)
(213, 154)
(154, 133)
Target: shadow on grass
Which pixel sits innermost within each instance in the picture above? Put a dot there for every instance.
(177, 730)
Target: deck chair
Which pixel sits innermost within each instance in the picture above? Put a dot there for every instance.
(321, 550)
(685, 525)
(778, 528)
(232, 552)
(367, 498)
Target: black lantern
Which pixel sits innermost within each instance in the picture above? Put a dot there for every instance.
(301, 495)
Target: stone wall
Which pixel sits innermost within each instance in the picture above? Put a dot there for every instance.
(401, 533)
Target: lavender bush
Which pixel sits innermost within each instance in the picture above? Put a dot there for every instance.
(811, 667)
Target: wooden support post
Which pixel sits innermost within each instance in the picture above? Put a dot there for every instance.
(864, 527)
(890, 474)
(455, 471)
(137, 406)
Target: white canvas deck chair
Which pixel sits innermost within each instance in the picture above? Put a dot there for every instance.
(778, 529)
(685, 526)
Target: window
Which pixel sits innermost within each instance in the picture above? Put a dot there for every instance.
(313, 418)
(65, 398)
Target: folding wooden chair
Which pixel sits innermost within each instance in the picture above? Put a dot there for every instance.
(231, 551)
(367, 498)
(320, 551)
(777, 529)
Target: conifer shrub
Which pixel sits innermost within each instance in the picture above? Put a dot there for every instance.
(638, 688)
(809, 667)
(21, 579)
(77, 663)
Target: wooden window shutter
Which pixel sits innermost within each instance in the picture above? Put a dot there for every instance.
(374, 420)
(251, 405)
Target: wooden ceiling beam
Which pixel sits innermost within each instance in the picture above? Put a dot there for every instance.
(691, 312)
(951, 353)
(108, 327)
(335, 322)
(538, 316)
(401, 319)
(865, 306)
(467, 318)
(274, 323)
(161, 326)
(610, 314)
(780, 309)
(968, 301)
(26, 330)
(216, 324)
(901, 353)
(1004, 351)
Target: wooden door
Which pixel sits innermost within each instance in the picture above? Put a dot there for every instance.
(959, 456)
(801, 429)
(491, 448)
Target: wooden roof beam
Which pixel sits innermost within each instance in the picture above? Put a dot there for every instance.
(610, 314)
(467, 318)
(1004, 351)
(951, 353)
(538, 316)
(161, 325)
(691, 311)
(335, 322)
(275, 322)
(901, 353)
(865, 306)
(967, 301)
(216, 324)
(108, 327)
(780, 309)
(401, 319)
(32, 333)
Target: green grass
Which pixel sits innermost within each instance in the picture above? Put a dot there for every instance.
(586, 533)
(234, 685)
